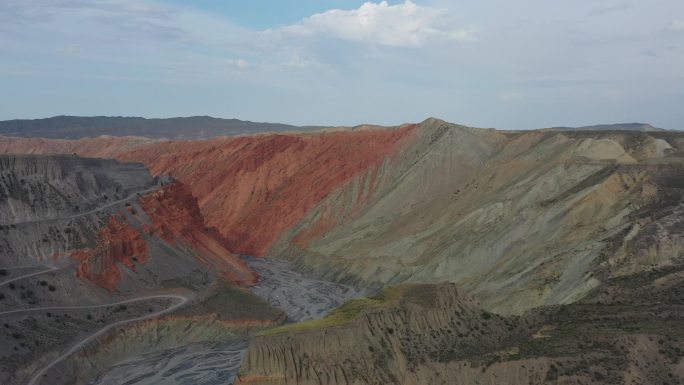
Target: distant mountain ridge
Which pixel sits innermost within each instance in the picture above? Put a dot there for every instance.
(193, 127)
(613, 127)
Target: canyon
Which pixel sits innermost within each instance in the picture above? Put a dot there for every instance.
(456, 254)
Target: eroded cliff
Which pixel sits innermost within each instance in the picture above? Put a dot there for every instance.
(90, 245)
(625, 332)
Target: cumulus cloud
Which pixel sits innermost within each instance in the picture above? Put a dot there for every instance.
(401, 25)
(542, 62)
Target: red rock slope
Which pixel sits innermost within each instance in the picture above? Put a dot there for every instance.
(251, 189)
(254, 188)
(118, 241)
(175, 218)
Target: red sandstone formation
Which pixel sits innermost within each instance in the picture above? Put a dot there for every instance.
(176, 218)
(254, 188)
(117, 242)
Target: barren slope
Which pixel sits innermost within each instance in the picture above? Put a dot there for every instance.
(89, 244)
(100, 147)
(627, 332)
(520, 219)
(254, 188)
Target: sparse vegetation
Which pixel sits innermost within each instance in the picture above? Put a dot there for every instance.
(350, 310)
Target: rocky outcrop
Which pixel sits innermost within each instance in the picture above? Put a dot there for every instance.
(383, 339)
(92, 245)
(117, 243)
(41, 187)
(169, 214)
(109, 217)
(176, 218)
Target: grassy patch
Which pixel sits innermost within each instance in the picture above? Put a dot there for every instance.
(232, 303)
(350, 310)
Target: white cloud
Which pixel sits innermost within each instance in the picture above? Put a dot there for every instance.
(401, 25)
(676, 25)
(543, 62)
(239, 64)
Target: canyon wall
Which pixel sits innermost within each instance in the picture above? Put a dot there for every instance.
(39, 187)
(110, 218)
(383, 339)
(520, 219)
(91, 243)
(254, 188)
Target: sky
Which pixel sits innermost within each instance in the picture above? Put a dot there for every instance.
(484, 63)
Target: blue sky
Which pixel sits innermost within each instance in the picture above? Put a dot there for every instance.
(262, 14)
(487, 63)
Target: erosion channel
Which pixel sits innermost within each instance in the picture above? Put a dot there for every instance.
(301, 297)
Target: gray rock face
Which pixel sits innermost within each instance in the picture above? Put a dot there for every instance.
(42, 187)
(51, 206)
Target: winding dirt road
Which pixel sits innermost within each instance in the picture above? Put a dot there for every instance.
(51, 268)
(40, 375)
(93, 211)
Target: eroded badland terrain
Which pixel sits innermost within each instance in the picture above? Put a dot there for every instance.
(428, 253)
